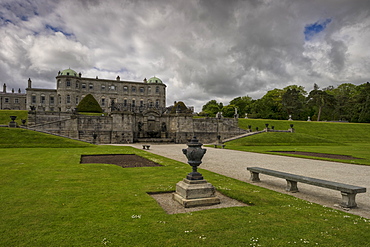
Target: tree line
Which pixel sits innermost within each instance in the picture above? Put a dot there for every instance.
(347, 102)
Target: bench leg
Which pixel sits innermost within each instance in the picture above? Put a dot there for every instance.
(255, 177)
(291, 186)
(348, 200)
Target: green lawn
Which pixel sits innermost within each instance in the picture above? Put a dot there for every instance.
(5, 116)
(47, 198)
(320, 137)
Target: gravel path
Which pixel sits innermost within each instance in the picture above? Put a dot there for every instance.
(233, 164)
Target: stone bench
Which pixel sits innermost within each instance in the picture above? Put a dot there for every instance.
(221, 145)
(348, 191)
(146, 146)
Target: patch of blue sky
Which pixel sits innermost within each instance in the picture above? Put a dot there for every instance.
(56, 29)
(312, 29)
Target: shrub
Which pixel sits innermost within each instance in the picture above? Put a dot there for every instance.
(89, 104)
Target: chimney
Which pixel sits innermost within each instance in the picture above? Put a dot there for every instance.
(4, 88)
(29, 83)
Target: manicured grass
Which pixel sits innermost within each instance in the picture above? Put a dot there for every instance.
(319, 137)
(5, 116)
(17, 137)
(49, 199)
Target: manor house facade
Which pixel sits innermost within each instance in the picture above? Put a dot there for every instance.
(72, 87)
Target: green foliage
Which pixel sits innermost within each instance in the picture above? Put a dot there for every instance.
(5, 116)
(211, 108)
(229, 111)
(270, 105)
(243, 104)
(89, 104)
(347, 102)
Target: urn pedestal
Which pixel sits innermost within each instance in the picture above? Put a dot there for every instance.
(193, 193)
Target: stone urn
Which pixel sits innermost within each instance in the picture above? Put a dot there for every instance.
(12, 123)
(194, 153)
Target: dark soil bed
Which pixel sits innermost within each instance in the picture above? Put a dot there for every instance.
(320, 155)
(123, 160)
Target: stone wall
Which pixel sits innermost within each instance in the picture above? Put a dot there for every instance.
(130, 127)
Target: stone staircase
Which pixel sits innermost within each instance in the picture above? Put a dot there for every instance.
(243, 135)
(255, 133)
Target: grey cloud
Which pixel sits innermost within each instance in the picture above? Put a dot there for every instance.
(202, 49)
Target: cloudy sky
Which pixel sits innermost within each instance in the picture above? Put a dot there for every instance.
(202, 49)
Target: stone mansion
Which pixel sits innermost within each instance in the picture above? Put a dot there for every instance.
(72, 87)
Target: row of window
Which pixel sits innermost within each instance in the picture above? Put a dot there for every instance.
(103, 101)
(112, 87)
(16, 100)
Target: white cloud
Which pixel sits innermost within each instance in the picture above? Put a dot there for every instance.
(202, 50)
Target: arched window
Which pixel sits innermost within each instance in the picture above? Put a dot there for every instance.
(68, 101)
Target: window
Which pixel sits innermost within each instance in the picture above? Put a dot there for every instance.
(125, 89)
(51, 108)
(157, 103)
(33, 99)
(103, 101)
(112, 87)
(6, 100)
(133, 103)
(42, 99)
(150, 103)
(133, 89)
(83, 85)
(77, 85)
(51, 100)
(77, 100)
(141, 90)
(102, 87)
(141, 103)
(68, 83)
(68, 99)
(149, 90)
(16, 100)
(156, 89)
(125, 102)
(91, 86)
